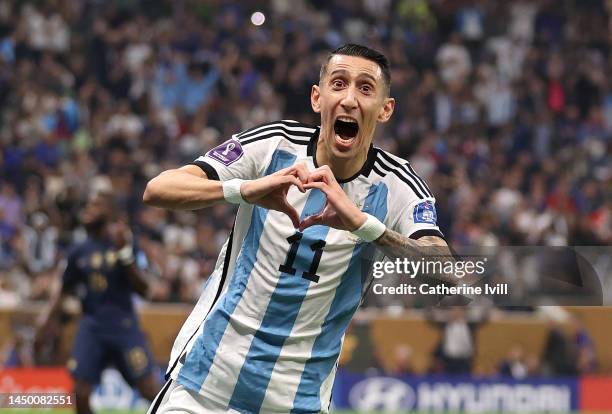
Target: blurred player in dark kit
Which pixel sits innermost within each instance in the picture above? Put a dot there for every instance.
(101, 271)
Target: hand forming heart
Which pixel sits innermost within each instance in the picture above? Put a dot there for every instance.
(271, 192)
(339, 211)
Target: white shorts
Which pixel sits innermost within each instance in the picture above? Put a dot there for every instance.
(174, 398)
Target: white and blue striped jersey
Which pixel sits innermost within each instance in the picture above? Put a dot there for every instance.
(267, 330)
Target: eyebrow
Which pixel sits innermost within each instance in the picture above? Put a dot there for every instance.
(345, 72)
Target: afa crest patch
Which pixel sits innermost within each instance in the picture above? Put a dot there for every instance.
(425, 212)
(227, 153)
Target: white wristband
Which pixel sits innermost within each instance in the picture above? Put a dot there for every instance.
(231, 191)
(371, 230)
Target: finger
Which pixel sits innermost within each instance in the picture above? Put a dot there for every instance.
(316, 175)
(295, 170)
(317, 184)
(322, 176)
(302, 171)
(310, 221)
(285, 171)
(290, 179)
(286, 180)
(323, 173)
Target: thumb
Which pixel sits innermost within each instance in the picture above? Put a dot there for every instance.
(311, 221)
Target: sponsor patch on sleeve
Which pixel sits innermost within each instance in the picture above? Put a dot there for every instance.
(425, 212)
(227, 153)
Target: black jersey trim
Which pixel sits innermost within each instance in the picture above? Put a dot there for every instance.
(210, 171)
(418, 177)
(403, 169)
(365, 169)
(394, 171)
(276, 133)
(160, 397)
(228, 254)
(277, 127)
(426, 232)
(378, 171)
(286, 122)
(312, 145)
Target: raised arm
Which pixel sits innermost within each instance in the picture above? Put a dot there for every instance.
(341, 213)
(122, 239)
(395, 245)
(188, 188)
(49, 313)
(185, 188)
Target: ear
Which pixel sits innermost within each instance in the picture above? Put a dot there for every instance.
(387, 110)
(315, 95)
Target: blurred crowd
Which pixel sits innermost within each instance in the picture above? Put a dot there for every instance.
(504, 108)
(568, 349)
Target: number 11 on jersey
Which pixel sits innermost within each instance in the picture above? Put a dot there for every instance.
(316, 247)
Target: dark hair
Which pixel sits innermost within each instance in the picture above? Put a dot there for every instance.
(351, 49)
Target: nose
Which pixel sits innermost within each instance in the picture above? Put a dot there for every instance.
(349, 101)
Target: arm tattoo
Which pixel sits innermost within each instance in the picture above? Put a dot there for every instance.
(397, 246)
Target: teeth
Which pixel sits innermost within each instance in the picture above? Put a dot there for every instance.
(345, 119)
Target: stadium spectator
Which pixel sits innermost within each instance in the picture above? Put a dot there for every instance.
(514, 364)
(40, 244)
(559, 356)
(11, 206)
(402, 362)
(518, 364)
(585, 347)
(455, 351)
(19, 352)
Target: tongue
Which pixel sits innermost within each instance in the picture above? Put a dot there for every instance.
(346, 130)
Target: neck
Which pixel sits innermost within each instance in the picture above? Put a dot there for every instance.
(343, 168)
(96, 232)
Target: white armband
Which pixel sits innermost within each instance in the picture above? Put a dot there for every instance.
(371, 230)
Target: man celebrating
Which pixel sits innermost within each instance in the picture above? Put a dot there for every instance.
(267, 331)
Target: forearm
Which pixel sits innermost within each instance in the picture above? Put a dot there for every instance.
(137, 280)
(397, 246)
(52, 309)
(182, 190)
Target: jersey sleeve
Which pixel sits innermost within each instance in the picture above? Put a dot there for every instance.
(237, 158)
(413, 216)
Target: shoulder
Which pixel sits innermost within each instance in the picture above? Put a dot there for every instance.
(398, 173)
(77, 253)
(77, 249)
(288, 130)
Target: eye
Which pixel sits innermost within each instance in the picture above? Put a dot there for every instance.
(337, 83)
(367, 88)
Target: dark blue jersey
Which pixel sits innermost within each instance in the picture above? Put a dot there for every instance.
(101, 282)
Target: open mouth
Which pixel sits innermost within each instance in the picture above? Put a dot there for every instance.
(346, 130)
